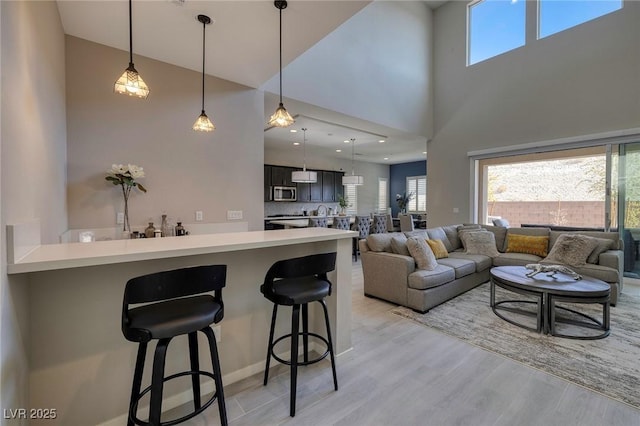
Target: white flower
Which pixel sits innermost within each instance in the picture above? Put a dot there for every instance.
(135, 171)
(117, 169)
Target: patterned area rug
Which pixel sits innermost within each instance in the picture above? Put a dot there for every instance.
(609, 366)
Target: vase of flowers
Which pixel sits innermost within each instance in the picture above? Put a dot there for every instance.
(344, 203)
(126, 176)
(403, 201)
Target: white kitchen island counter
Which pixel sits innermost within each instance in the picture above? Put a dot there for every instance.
(81, 364)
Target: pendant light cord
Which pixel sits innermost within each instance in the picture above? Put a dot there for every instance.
(130, 36)
(204, 26)
(353, 147)
(280, 8)
(304, 149)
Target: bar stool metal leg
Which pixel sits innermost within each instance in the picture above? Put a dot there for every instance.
(157, 381)
(295, 324)
(217, 371)
(195, 366)
(305, 331)
(331, 355)
(137, 381)
(270, 346)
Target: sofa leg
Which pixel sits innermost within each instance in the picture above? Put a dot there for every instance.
(418, 311)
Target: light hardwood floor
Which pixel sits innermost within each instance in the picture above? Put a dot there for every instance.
(401, 373)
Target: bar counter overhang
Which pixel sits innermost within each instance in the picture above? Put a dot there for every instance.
(81, 364)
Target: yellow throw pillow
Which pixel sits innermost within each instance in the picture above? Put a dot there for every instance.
(530, 244)
(438, 248)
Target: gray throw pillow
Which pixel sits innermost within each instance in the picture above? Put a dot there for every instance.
(422, 253)
(463, 232)
(483, 242)
(399, 246)
(604, 244)
(571, 249)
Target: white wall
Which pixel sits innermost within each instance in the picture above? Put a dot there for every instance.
(376, 66)
(581, 81)
(33, 161)
(367, 193)
(185, 170)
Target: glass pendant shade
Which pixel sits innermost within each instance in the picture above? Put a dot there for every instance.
(353, 180)
(130, 83)
(281, 118)
(203, 124)
(304, 176)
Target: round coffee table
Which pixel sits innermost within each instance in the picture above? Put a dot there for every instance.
(547, 290)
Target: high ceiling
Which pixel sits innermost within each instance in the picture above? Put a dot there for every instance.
(241, 46)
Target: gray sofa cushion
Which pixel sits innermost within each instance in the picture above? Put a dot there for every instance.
(399, 245)
(462, 267)
(515, 259)
(422, 279)
(482, 242)
(382, 242)
(499, 233)
(422, 233)
(603, 273)
(439, 234)
(452, 235)
(482, 262)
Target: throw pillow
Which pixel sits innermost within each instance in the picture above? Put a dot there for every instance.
(604, 244)
(438, 248)
(422, 254)
(529, 244)
(463, 232)
(483, 242)
(399, 246)
(571, 249)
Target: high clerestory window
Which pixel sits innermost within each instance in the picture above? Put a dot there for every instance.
(556, 15)
(498, 26)
(494, 27)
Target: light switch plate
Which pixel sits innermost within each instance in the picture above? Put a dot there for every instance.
(120, 218)
(199, 216)
(234, 214)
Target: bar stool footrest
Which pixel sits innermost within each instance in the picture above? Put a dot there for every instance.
(311, 361)
(134, 407)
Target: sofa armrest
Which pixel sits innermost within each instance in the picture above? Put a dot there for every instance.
(386, 275)
(613, 259)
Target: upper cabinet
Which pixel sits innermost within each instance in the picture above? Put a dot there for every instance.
(281, 176)
(328, 186)
(267, 183)
(327, 189)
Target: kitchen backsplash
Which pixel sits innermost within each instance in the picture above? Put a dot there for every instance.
(294, 209)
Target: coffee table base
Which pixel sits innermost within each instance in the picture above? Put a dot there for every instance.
(539, 302)
(589, 321)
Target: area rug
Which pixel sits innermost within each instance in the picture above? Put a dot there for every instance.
(610, 366)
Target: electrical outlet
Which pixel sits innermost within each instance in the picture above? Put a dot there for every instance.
(199, 216)
(234, 214)
(217, 330)
(120, 218)
(456, 210)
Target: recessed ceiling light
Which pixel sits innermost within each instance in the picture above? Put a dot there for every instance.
(386, 158)
(296, 143)
(382, 141)
(338, 150)
(293, 131)
(347, 141)
(424, 152)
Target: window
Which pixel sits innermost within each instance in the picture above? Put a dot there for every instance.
(383, 195)
(494, 27)
(418, 186)
(352, 198)
(555, 16)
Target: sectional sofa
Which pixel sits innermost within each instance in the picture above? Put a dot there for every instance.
(390, 272)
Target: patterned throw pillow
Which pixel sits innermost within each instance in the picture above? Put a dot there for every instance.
(483, 242)
(422, 254)
(571, 249)
(528, 244)
(438, 248)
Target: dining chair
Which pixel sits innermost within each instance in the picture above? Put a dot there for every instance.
(406, 223)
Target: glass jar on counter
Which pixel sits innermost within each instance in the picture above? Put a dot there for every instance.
(180, 231)
(150, 230)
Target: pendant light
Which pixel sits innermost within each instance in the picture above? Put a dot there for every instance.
(203, 124)
(304, 176)
(353, 179)
(130, 83)
(281, 118)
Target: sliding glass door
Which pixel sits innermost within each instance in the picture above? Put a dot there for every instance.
(628, 200)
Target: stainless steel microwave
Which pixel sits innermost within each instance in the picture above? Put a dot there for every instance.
(284, 193)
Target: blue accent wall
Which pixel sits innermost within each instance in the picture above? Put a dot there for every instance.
(398, 180)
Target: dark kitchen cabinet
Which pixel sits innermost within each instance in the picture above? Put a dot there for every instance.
(267, 183)
(311, 192)
(281, 176)
(338, 188)
(328, 186)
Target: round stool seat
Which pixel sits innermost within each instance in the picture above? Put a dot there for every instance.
(294, 291)
(171, 318)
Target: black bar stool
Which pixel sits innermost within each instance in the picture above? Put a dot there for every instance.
(172, 315)
(295, 283)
